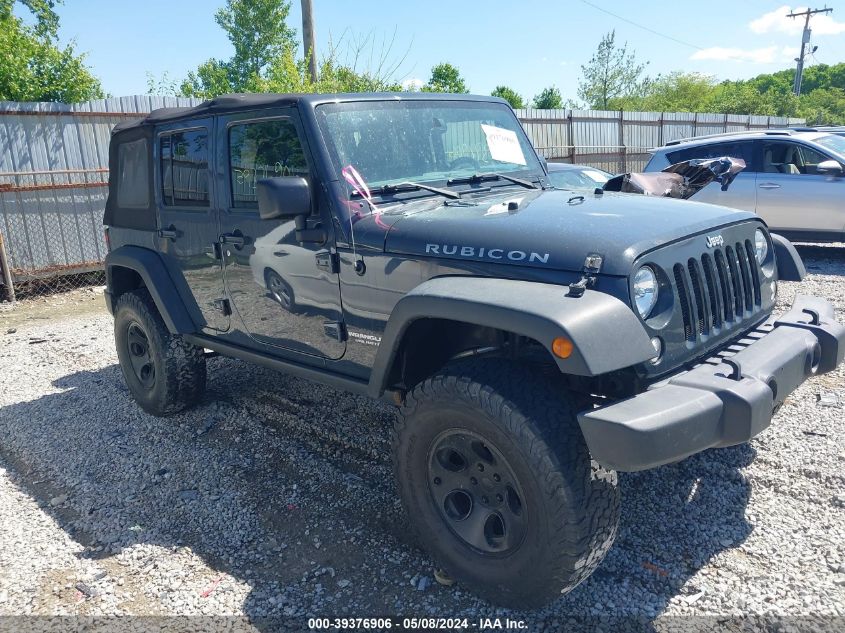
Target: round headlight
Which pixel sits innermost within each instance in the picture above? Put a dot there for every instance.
(761, 245)
(645, 291)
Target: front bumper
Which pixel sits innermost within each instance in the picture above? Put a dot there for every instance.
(726, 400)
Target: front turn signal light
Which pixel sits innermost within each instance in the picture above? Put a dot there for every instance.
(562, 347)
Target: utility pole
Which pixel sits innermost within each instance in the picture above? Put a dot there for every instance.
(805, 39)
(308, 38)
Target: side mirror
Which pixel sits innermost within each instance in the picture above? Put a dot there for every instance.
(285, 197)
(829, 168)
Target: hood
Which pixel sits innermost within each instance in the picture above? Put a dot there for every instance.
(681, 180)
(551, 229)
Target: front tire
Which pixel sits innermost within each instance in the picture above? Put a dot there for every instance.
(498, 483)
(164, 373)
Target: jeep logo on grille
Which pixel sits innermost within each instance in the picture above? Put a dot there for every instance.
(714, 240)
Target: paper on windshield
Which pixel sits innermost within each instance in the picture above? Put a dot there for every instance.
(503, 145)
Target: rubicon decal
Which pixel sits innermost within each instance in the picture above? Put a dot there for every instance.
(472, 252)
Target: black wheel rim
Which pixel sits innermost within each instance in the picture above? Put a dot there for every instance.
(476, 492)
(279, 290)
(138, 346)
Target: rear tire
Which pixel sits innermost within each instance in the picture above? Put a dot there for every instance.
(164, 373)
(498, 483)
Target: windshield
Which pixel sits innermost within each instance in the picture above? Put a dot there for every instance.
(832, 142)
(389, 142)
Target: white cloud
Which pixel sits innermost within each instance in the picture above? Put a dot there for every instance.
(766, 55)
(755, 55)
(777, 22)
(412, 84)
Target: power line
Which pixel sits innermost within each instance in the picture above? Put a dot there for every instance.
(640, 26)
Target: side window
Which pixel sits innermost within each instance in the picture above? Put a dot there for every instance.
(133, 175)
(810, 160)
(714, 150)
(790, 158)
(184, 168)
(262, 149)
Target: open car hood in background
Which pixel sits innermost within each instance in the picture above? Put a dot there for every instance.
(681, 180)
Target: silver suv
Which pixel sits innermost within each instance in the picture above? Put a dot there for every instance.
(793, 179)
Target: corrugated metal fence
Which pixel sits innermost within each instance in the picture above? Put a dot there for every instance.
(54, 167)
(619, 141)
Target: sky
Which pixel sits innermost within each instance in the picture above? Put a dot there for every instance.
(525, 44)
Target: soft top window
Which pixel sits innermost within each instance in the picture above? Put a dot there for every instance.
(133, 175)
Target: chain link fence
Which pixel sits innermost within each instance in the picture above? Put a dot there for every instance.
(51, 222)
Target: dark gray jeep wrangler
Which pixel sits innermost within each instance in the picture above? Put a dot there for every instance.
(410, 247)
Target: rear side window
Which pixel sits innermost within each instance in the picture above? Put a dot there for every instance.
(184, 168)
(133, 175)
(262, 149)
(713, 150)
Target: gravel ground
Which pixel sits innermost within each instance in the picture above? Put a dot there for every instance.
(274, 497)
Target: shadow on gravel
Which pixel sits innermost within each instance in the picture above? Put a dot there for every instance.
(286, 486)
(826, 259)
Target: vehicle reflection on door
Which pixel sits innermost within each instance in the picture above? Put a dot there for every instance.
(278, 290)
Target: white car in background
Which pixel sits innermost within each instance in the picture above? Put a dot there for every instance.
(793, 178)
(577, 177)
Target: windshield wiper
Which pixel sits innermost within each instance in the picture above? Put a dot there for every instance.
(482, 177)
(411, 186)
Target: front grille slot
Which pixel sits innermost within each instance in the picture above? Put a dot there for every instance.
(736, 281)
(755, 271)
(717, 290)
(700, 306)
(713, 290)
(684, 299)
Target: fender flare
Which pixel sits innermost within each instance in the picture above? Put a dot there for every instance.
(605, 333)
(153, 271)
(789, 263)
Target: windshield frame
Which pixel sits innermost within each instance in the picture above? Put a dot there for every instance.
(532, 171)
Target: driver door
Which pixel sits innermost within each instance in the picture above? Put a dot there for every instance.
(284, 294)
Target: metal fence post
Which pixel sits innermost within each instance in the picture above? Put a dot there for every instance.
(7, 273)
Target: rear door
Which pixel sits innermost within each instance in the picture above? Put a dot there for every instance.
(792, 196)
(188, 224)
(285, 294)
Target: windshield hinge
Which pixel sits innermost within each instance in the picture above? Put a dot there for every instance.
(335, 330)
(592, 266)
(328, 261)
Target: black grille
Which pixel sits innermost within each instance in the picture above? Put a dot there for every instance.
(719, 290)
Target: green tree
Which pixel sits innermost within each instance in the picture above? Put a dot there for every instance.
(611, 73)
(676, 92)
(510, 95)
(259, 34)
(446, 78)
(548, 99)
(34, 66)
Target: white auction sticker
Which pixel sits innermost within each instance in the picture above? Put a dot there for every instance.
(503, 145)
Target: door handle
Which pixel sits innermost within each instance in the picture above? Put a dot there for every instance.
(235, 239)
(769, 185)
(170, 233)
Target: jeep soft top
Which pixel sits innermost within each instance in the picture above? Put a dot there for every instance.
(409, 246)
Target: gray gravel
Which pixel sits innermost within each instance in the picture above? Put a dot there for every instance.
(275, 497)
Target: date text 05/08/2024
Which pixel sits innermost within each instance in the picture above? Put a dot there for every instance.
(414, 624)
